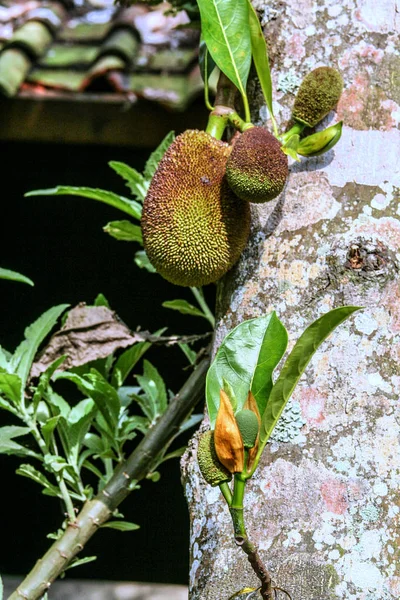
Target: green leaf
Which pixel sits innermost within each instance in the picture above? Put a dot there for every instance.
(296, 363)
(24, 355)
(11, 387)
(79, 420)
(81, 561)
(14, 276)
(153, 385)
(246, 359)
(206, 63)
(134, 180)
(184, 307)
(101, 300)
(32, 473)
(128, 360)
(225, 29)
(142, 261)
(124, 231)
(188, 352)
(4, 358)
(1, 589)
(44, 380)
(130, 207)
(156, 156)
(121, 525)
(7, 444)
(48, 428)
(260, 57)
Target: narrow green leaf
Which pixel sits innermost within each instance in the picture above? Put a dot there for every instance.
(134, 180)
(188, 352)
(184, 307)
(142, 261)
(32, 473)
(81, 561)
(22, 359)
(260, 57)
(130, 207)
(7, 444)
(128, 360)
(48, 428)
(124, 231)
(14, 276)
(101, 300)
(4, 358)
(225, 29)
(296, 363)
(153, 384)
(121, 525)
(156, 156)
(11, 387)
(44, 380)
(246, 359)
(79, 421)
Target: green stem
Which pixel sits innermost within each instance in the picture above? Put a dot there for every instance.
(109, 467)
(274, 126)
(198, 294)
(67, 499)
(217, 124)
(238, 122)
(226, 492)
(246, 107)
(97, 511)
(295, 130)
(242, 540)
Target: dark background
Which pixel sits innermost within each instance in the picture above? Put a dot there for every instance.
(59, 243)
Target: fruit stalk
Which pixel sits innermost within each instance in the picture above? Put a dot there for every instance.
(97, 511)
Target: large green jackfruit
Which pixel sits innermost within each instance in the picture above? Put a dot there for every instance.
(194, 227)
(257, 168)
(318, 94)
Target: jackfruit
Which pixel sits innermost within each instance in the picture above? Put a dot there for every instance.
(194, 227)
(318, 94)
(248, 426)
(257, 168)
(212, 470)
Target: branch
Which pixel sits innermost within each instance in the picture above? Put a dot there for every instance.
(97, 511)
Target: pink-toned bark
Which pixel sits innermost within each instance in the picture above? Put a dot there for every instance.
(324, 504)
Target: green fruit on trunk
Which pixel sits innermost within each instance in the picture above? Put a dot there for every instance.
(248, 426)
(257, 168)
(318, 94)
(194, 227)
(212, 470)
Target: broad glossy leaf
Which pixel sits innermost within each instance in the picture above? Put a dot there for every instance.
(296, 363)
(14, 276)
(184, 307)
(22, 359)
(121, 525)
(130, 207)
(142, 261)
(124, 231)
(156, 156)
(246, 359)
(225, 29)
(260, 57)
(134, 180)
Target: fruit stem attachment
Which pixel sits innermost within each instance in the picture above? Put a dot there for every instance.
(297, 129)
(238, 122)
(242, 539)
(226, 492)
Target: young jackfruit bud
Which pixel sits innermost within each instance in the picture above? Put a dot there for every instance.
(227, 439)
(248, 426)
(320, 142)
(212, 470)
(251, 404)
(257, 168)
(194, 227)
(318, 94)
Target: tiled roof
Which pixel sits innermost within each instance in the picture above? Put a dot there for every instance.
(54, 48)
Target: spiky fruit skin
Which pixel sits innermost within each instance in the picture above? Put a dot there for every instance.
(194, 228)
(211, 469)
(248, 426)
(318, 94)
(257, 168)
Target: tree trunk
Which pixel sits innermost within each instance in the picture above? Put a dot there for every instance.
(323, 506)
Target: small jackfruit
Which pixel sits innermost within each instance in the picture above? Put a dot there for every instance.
(257, 168)
(248, 426)
(212, 470)
(318, 94)
(194, 227)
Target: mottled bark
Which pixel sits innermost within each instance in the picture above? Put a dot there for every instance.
(323, 506)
